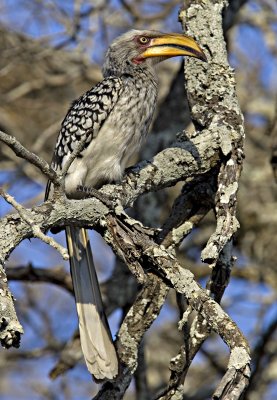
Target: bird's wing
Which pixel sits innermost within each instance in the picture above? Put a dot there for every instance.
(84, 120)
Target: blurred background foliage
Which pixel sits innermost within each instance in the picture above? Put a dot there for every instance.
(51, 52)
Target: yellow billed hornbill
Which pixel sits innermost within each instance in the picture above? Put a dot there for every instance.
(112, 118)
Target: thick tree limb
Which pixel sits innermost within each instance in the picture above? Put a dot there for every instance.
(10, 327)
(185, 158)
(212, 99)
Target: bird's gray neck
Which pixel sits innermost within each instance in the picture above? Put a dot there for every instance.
(128, 70)
(143, 77)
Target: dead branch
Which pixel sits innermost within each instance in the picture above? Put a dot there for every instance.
(22, 152)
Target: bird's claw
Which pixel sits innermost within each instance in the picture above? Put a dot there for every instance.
(92, 192)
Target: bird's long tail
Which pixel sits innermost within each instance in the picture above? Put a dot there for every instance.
(96, 340)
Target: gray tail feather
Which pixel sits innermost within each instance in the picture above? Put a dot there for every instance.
(95, 335)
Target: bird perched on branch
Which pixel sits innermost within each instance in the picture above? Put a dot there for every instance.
(110, 120)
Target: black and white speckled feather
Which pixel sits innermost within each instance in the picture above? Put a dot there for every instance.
(85, 117)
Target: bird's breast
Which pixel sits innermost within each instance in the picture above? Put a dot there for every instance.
(121, 135)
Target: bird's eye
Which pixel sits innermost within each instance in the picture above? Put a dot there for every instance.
(144, 40)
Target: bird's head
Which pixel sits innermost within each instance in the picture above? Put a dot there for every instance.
(143, 49)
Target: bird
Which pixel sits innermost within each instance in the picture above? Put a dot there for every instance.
(111, 120)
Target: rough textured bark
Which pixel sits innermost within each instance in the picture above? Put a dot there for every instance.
(10, 327)
(213, 102)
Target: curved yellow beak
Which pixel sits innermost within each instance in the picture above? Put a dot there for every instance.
(172, 45)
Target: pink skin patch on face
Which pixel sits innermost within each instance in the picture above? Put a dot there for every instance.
(138, 60)
(142, 47)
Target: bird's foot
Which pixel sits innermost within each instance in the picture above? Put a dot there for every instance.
(88, 192)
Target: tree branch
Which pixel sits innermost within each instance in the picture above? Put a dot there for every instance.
(151, 256)
(22, 152)
(185, 158)
(26, 216)
(212, 99)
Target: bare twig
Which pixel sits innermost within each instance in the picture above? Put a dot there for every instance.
(57, 275)
(37, 232)
(22, 152)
